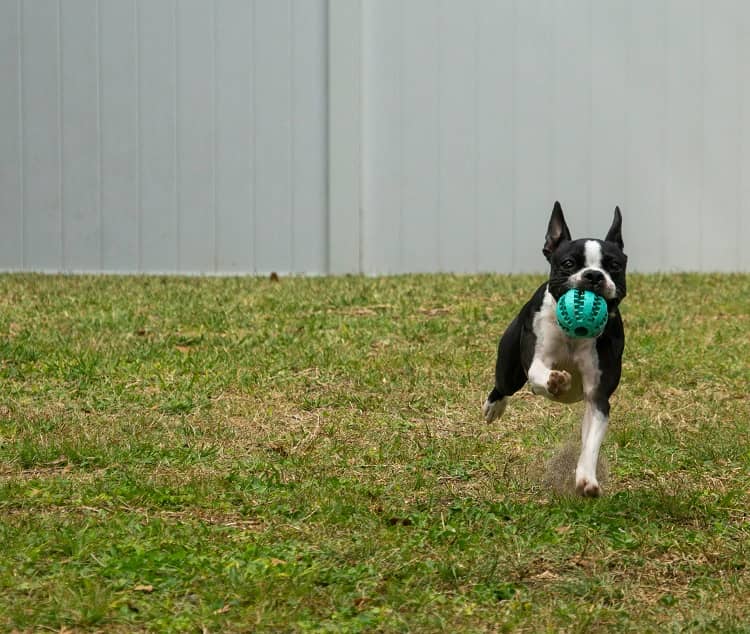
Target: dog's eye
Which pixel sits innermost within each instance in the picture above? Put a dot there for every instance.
(615, 267)
(568, 263)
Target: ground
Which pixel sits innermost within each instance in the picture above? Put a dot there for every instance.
(232, 455)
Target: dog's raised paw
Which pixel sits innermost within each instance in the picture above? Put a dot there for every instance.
(559, 382)
(588, 488)
(494, 410)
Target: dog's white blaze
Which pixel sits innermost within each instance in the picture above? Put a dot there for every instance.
(593, 252)
(593, 256)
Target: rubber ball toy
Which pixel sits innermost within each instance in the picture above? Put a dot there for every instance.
(582, 314)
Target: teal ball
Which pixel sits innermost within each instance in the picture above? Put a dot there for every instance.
(582, 314)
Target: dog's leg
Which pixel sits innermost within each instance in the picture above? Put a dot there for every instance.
(494, 406)
(546, 381)
(593, 429)
(509, 374)
(601, 375)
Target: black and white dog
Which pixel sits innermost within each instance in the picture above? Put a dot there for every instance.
(560, 367)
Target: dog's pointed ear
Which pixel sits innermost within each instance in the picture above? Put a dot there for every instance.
(557, 231)
(615, 231)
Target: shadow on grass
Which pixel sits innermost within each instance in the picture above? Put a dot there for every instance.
(651, 506)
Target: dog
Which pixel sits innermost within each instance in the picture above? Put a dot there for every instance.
(562, 368)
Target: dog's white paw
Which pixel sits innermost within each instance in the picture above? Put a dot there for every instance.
(588, 487)
(559, 382)
(493, 411)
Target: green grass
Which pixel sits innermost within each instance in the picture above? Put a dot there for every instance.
(241, 455)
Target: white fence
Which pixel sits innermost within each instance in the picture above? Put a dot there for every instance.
(480, 113)
(376, 136)
(163, 135)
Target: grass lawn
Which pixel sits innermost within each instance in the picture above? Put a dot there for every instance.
(309, 455)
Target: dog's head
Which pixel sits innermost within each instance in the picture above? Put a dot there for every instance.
(594, 265)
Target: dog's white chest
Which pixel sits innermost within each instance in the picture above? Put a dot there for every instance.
(555, 350)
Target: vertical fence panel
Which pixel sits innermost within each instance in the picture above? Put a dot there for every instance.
(571, 168)
(646, 90)
(235, 136)
(684, 135)
(382, 63)
(720, 243)
(273, 135)
(458, 136)
(309, 170)
(496, 41)
(118, 114)
(533, 83)
(157, 115)
(40, 66)
(346, 53)
(11, 199)
(79, 39)
(196, 92)
(610, 103)
(420, 156)
(743, 231)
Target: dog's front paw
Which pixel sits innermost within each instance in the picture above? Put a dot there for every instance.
(559, 382)
(588, 488)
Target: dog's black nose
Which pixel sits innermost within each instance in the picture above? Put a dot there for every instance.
(593, 277)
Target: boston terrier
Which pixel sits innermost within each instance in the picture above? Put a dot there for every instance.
(562, 368)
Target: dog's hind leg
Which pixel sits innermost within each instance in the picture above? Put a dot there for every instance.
(509, 374)
(494, 406)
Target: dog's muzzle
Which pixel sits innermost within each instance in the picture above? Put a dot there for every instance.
(594, 280)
